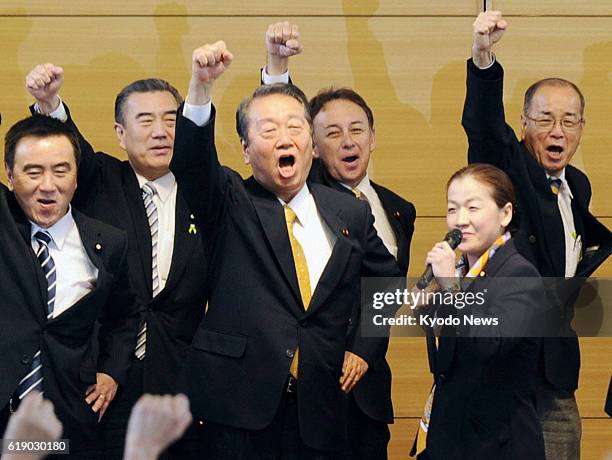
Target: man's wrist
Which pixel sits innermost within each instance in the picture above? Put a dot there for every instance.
(277, 65)
(483, 59)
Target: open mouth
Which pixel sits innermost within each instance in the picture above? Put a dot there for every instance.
(286, 165)
(46, 202)
(350, 159)
(555, 150)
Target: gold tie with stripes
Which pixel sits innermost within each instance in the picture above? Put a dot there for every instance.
(301, 270)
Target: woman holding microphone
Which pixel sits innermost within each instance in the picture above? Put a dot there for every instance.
(482, 404)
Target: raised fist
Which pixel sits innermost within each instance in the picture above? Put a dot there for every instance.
(43, 83)
(209, 62)
(283, 39)
(488, 29)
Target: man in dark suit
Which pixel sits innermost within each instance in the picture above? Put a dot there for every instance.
(557, 232)
(288, 256)
(167, 266)
(344, 139)
(62, 273)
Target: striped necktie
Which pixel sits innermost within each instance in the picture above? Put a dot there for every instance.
(33, 380)
(301, 270)
(148, 192)
(555, 184)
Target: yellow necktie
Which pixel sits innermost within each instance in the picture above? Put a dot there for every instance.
(301, 269)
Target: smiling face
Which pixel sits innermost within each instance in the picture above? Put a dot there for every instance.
(472, 209)
(147, 133)
(279, 147)
(553, 148)
(43, 177)
(343, 140)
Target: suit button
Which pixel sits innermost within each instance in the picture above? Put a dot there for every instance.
(25, 359)
(350, 321)
(289, 353)
(532, 239)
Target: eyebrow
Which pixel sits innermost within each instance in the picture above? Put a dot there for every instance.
(336, 125)
(152, 114)
(548, 112)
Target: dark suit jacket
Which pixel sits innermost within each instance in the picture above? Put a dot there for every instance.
(67, 353)
(541, 236)
(484, 401)
(243, 348)
(373, 392)
(109, 191)
(608, 406)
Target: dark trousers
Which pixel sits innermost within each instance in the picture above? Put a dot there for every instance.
(367, 439)
(279, 441)
(114, 423)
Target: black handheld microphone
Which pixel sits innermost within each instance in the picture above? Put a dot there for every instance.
(453, 238)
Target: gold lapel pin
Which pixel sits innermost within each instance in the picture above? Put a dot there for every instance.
(397, 214)
(192, 229)
(98, 247)
(345, 231)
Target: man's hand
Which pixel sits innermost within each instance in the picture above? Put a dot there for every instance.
(35, 420)
(489, 27)
(282, 42)
(44, 82)
(155, 423)
(353, 369)
(208, 63)
(102, 393)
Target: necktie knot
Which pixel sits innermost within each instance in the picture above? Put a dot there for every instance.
(149, 189)
(358, 193)
(555, 184)
(290, 215)
(43, 237)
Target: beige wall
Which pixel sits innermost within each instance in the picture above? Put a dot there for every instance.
(407, 58)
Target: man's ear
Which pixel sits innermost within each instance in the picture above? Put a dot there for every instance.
(120, 132)
(245, 152)
(523, 125)
(9, 176)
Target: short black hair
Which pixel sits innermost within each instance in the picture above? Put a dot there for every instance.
(332, 94)
(38, 126)
(554, 81)
(150, 85)
(287, 89)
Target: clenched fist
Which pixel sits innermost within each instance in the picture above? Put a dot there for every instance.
(44, 82)
(208, 63)
(282, 42)
(489, 27)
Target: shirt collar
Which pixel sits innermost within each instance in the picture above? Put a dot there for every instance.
(300, 204)
(163, 184)
(364, 186)
(58, 231)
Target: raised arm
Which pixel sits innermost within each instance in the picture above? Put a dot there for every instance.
(195, 163)
(282, 42)
(44, 83)
(490, 138)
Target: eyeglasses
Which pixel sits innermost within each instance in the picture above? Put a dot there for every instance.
(569, 125)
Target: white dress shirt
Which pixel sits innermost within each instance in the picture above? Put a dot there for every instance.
(381, 222)
(165, 200)
(76, 275)
(573, 242)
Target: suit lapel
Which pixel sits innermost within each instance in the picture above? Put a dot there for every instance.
(93, 242)
(185, 241)
(140, 224)
(272, 219)
(37, 307)
(335, 267)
